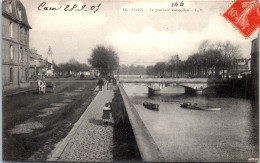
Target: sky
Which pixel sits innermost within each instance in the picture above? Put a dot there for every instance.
(142, 35)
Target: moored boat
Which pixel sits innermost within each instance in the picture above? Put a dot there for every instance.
(184, 105)
(197, 107)
(151, 106)
(211, 109)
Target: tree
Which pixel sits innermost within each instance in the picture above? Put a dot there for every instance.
(203, 48)
(160, 68)
(55, 67)
(174, 65)
(214, 61)
(72, 66)
(150, 70)
(229, 52)
(105, 60)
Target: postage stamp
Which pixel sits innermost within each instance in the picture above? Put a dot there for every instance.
(245, 15)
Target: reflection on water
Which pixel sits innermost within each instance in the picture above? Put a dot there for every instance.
(192, 135)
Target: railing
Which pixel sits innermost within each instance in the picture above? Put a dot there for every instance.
(148, 149)
(163, 80)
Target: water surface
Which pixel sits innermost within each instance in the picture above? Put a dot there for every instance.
(193, 135)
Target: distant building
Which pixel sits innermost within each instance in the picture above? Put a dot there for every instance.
(255, 66)
(49, 63)
(241, 65)
(15, 45)
(94, 72)
(241, 61)
(36, 64)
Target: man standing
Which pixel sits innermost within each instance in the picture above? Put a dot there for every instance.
(100, 83)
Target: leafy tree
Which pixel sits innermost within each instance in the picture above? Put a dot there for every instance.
(72, 66)
(160, 68)
(150, 70)
(132, 70)
(105, 60)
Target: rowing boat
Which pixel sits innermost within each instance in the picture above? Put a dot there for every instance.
(151, 106)
(195, 106)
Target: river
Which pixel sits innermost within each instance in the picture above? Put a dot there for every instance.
(194, 135)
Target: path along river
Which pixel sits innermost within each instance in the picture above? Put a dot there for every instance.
(193, 135)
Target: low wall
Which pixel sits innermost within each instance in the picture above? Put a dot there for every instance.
(149, 151)
(125, 147)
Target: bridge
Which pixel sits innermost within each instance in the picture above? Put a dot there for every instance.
(191, 85)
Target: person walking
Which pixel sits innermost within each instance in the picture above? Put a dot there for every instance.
(100, 83)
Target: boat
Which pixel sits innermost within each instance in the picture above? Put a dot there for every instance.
(185, 104)
(151, 106)
(189, 105)
(211, 109)
(195, 106)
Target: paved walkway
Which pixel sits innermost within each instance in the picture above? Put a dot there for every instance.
(90, 139)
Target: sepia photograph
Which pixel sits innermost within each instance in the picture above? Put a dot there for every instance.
(139, 81)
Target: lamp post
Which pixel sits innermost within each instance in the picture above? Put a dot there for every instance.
(118, 71)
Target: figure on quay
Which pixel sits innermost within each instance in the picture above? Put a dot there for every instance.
(100, 84)
(106, 112)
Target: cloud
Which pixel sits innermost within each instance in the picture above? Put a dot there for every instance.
(151, 46)
(138, 37)
(66, 32)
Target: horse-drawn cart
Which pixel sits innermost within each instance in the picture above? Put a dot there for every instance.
(42, 86)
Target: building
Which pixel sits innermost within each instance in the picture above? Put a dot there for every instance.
(49, 63)
(15, 45)
(242, 61)
(36, 64)
(241, 65)
(255, 65)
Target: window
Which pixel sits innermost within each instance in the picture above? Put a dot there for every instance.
(20, 13)
(21, 54)
(11, 74)
(11, 29)
(10, 7)
(11, 52)
(26, 36)
(22, 74)
(26, 74)
(21, 34)
(25, 56)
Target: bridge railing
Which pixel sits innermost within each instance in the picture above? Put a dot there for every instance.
(148, 149)
(163, 80)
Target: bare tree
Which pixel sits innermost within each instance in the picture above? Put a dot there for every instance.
(229, 52)
(174, 65)
(204, 46)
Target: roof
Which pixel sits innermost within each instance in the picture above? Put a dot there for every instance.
(13, 14)
(239, 69)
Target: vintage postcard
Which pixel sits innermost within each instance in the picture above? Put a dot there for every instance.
(152, 81)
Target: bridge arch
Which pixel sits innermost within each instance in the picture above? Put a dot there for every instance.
(190, 88)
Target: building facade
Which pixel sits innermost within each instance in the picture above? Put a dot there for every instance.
(37, 64)
(255, 66)
(240, 66)
(15, 45)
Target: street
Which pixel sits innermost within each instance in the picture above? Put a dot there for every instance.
(33, 123)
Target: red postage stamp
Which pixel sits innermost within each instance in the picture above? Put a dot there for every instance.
(245, 15)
